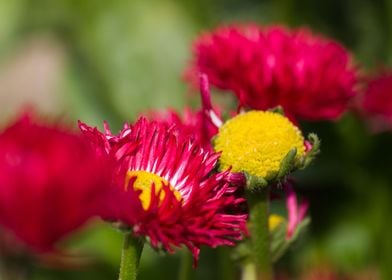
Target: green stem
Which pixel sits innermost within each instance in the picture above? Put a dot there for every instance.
(130, 257)
(186, 261)
(248, 271)
(227, 267)
(259, 232)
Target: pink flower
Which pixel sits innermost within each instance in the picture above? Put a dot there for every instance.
(376, 102)
(311, 77)
(296, 212)
(166, 190)
(190, 124)
(50, 182)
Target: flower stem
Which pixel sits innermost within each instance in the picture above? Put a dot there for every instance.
(248, 271)
(259, 232)
(130, 257)
(185, 272)
(227, 267)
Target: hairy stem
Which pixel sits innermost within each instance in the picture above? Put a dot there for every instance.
(130, 257)
(259, 233)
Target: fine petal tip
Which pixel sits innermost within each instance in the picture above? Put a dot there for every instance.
(106, 127)
(205, 91)
(206, 100)
(303, 209)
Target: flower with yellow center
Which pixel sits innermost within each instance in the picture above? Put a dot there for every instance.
(256, 142)
(171, 194)
(144, 181)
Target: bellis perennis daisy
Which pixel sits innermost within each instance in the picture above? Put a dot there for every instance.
(168, 191)
(311, 77)
(51, 182)
(263, 144)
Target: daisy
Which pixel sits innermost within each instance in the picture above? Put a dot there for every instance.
(309, 76)
(264, 145)
(51, 182)
(168, 190)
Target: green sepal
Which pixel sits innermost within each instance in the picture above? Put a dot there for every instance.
(278, 110)
(287, 164)
(312, 153)
(254, 182)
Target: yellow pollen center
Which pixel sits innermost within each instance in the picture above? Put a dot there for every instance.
(257, 142)
(144, 181)
(274, 221)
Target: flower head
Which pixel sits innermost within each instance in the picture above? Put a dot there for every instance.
(311, 77)
(167, 191)
(257, 142)
(50, 182)
(376, 102)
(265, 145)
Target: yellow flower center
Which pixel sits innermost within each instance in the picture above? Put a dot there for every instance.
(144, 183)
(257, 142)
(274, 221)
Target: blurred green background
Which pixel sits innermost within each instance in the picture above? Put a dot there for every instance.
(96, 60)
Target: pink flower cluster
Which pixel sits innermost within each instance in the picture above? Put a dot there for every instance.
(311, 77)
(61, 178)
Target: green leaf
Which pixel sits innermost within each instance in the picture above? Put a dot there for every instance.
(279, 242)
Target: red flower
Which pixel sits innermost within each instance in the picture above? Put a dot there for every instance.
(50, 182)
(311, 77)
(170, 195)
(376, 103)
(190, 124)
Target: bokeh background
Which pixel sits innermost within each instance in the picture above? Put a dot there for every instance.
(96, 60)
